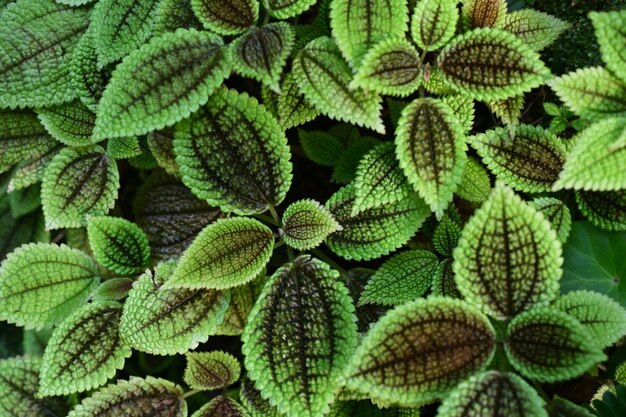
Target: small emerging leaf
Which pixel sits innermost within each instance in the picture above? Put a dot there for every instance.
(434, 23)
(535, 28)
(605, 209)
(113, 289)
(87, 78)
(557, 213)
(476, 184)
(447, 233)
(509, 111)
(292, 108)
(211, 370)
(306, 224)
(226, 17)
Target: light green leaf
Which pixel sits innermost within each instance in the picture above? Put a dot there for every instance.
(609, 29)
(483, 13)
(284, 9)
(508, 258)
(226, 17)
(323, 77)
(300, 335)
(87, 79)
(443, 281)
(222, 406)
(134, 398)
(156, 320)
(118, 244)
(113, 289)
(292, 108)
(233, 154)
(548, 345)
(447, 233)
(171, 76)
(491, 64)
(70, 123)
(124, 148)
(306, 224)
(433, 23)
(242, 299)
(376, 231)
(476, 184)
(161, 145)
(463, 108)
(400, 359)
(405, 277)
(493, 394)
(84, 351)
(78, 182)
(561, 407)
(211, 370)
(36, 41)
(430, 146)
(557, 213)
(41, 284)
(321, 147)
(604, 209)
(31, 171)
(509, 111)
(535, 28)
(252, 400)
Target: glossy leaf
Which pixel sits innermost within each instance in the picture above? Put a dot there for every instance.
(222, 406)
(604, 209)
(292, 108)
(306, 224)
(483, 13)
(476, 184)
(284, 9)
(211, 370)
(609, 29)
(535, 28)
(557, 213)
(433, 23)
(70, 123)
(228, 17)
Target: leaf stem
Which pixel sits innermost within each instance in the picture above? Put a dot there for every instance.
(266, 219)
(192, 392)
(274, 215)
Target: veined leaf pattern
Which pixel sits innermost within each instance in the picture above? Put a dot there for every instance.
(70, 123)
(306, 223)
(535, 28)
(433, 23)
(284, 9)
(557, 213)
(211, 370)
(226, 17)
(292, 108)
(222, 406)
(612, 39)
(483, 13)
(605, 209)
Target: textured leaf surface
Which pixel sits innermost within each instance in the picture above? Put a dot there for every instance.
(373, 232)
(323, 77)
(300, 336)
(161, 145)
(306, 224)
(174, 14)
(612, 40)
(87, 78)
(443, 281)
(283, 9)
(292, 108)
(70, 123)
(530, 162)
(433, 23)
(36, 40)
(242, 300)
(447, 233)
(483, 13)
(548, 345)
(476, 184)
(463, 108)
(118, 244)
(41, 284)
(252, 400)
(31, 171)
(222, 406)
(420, 350)
(113, 289)
(508, 258)
(430, 146)
(84, 351)
(509, 111)
(78, 182)
(124, 148)
(228, 17)
(168, 321)
(348, 161)
(491, 64)
(605, 209)
(233, 154)
(535, 28)
(561, 407)
(557, 213)
(211, 370)
(171, 77)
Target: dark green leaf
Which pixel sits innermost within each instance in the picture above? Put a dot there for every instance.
(87, 79)
(283, 9)
(321, 147)
(226, 17)
(604, 209)
(292, 108)
(222, 406)
(557, 213)
(161, 145)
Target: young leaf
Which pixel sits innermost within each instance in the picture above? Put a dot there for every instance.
(509, 111)
(118, 244)
(402, 357)
(430, 146)
(483, 13)
(233, 154)
(443, 281)
(612, 40)
(360, 24)
(535, 28)
(321, 147)
(36, 41)
(228, 17)
(548, 345)
(261, 53)
(557, 213)
(323, 77)
(171, 77)
(508, 258)
(157, 320)
(134, 398)
(84, 351)
(226, 254)
(491, 64)
(292, 108)
(113, 289)
(376, 231)
(447, 233)
(300, 335)
(211, 370)
(222, 406)
(605, 209)
(41, 284)
(124, 148)
(242, 299)
(306, 224)
(404, 277)
(463, 108)
(87, 79)
(476, 184)
(434, 23)
(390, 67)
(78, 182)
(530, 162)
(70, 123)
(161, 146)
(493, 394)
(284, 9)
(604, 318)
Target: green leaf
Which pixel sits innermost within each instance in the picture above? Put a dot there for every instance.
(491, 64)
(70, 123)
(548, 345)
(157, 320)
(300, 335)
(135, 398)
(41, 284)
(24, 201)
(228, 17)
(596, 159)
(609, 29)
(171, 76)
(392, 67)
(161, 145)
(447, 233)
(592, 93)
(402, 357)
(284, 9)
(222, 406)
(530, 162)
(242, 299)
(84, 351)
(430, 146)
(483, 13)
(261, 53)
(463, 108)
(87, 79)
(124, 148)
(36, 41)
(321, 147)
(560, 407)
(508, 258)
(348, 161)
(78, 182)
(557, 213)
(31, 171)
(16, 232)
(604, 209)
(292, 108)
(233, 154)
(535, 28)
(509, 111)
(174, 14)
(476, 184)
(118, 244)
(306, 224)
(376, 231)
(113, 289)
(443, 281)
(324, 77)
(493, 394)
(604, 318)
(404, 277)
(226, 254)
(252, 400)
(357, 25)
(434, 23)
(211, 370)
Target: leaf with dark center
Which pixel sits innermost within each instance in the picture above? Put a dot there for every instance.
(306, 224)
(69, 123)
(222, 406)
(226, 17)
(483, 13)
(284, 9)
(433, 23)
(557, 213)
(535, 28)
(604, 209)
(211, 370)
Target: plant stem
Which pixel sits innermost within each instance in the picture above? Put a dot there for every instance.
(329, 261)
(266, 219)
(190, 393)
